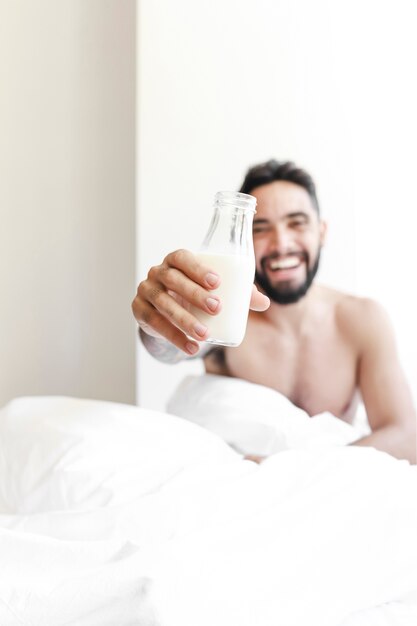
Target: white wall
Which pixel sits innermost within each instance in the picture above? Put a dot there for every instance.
(67, 198)
(227, 84)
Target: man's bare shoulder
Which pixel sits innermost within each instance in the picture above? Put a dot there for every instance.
(357, 316)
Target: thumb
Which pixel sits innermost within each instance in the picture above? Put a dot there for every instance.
(259, 302)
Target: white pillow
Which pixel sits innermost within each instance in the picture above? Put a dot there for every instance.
(65, 453)
(254, 419)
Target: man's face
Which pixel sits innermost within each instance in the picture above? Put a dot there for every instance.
(288, 236)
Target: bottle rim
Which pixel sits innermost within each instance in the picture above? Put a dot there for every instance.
(236, 200)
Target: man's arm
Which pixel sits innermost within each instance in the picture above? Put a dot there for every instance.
(385, 391)
(161, 349)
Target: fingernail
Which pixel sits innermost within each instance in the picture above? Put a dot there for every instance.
(191, 348)
(200, 329)
(212, 304)
(212, 279)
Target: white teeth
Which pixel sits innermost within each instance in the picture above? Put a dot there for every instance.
(284, 264)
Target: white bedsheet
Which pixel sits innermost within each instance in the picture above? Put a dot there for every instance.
(112, 514)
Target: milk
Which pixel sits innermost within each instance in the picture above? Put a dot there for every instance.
(236, 273)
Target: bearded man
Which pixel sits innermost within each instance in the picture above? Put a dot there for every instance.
(321, 348)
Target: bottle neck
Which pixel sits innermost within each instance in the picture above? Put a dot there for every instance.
(230, 230)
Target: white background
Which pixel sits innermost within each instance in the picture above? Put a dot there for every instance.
(225, 84)
(221, 85)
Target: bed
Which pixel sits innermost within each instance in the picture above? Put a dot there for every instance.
(113, 514)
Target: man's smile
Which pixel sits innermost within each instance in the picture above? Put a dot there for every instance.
(285, 267)
(285, 263)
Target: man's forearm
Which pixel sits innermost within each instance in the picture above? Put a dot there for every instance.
(161, 349)
(396, 440)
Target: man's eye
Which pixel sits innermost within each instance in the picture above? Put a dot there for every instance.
(260, 229)
(298, 223)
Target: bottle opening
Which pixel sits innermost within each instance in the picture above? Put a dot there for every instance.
(236, 200)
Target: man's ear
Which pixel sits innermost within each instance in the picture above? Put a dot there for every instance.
(323, 232)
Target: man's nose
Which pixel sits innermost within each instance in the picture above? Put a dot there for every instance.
(281, 240)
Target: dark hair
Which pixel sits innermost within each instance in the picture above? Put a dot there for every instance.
(272, 170)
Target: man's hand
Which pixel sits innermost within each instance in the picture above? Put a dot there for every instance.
(161, 305)
(255, 458)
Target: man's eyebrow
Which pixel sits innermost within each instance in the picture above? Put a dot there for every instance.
(260, 220)
(289, 216)
(297, 214)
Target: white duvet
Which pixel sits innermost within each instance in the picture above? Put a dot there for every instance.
(115, 515)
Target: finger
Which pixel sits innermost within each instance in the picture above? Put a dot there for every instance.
(152, 319)
(191, 266)
(188, 290)
(169, 308)
(259, 302)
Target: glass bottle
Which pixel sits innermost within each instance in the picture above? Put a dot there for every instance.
(228, 250)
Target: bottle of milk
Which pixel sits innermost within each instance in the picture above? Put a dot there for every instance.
(228, 250)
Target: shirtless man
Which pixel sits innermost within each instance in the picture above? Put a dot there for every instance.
(319, 347)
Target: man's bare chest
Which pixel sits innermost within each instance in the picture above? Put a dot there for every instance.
(317, 373)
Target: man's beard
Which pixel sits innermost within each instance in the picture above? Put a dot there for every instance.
(285, 293)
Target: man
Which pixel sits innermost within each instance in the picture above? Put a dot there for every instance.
(319, 347)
